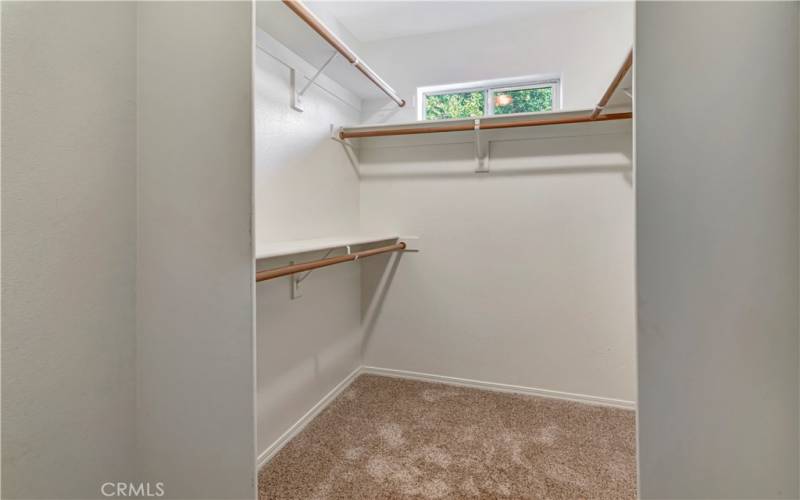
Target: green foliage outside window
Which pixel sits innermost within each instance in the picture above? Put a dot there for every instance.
(455, 105)
(472, 104)
(523, 101)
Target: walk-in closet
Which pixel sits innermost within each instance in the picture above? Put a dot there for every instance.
(444, 226)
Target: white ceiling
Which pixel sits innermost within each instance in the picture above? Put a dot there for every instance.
(363, 22)
(374, 20)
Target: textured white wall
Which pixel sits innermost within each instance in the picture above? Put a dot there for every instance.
(584, 46)
(717, 228)
(305, 188)
(195, 253)
(69, 247)
(525, 275)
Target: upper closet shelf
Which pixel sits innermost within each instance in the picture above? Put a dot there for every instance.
(293, 247)
(471, 124)
(341, 49)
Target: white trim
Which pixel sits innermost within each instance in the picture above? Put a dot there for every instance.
(493, 386)
(298, 426)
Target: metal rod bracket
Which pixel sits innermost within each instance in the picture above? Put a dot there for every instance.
(297, 95)
(296, 279)
(335, 136)
(296, 291)
(481, 150)
(349, 150)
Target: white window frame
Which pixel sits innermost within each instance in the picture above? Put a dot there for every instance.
(489, 87)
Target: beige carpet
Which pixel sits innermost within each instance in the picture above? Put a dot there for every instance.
(392, 438)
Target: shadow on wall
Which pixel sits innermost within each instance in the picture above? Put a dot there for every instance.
(383, 112)
(600, 154)
(376, 278)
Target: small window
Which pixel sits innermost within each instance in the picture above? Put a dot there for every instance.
(499, 97)
(522, 100)
(455, 105)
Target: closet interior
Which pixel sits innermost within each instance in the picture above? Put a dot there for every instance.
(444, 231)
(400, 249)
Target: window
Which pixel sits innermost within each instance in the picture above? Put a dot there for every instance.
(455, 105)
(522, 100)
(500, 97)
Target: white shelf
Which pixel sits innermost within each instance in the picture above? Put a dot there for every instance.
(292, 247)
(544, 115)
(486, 134)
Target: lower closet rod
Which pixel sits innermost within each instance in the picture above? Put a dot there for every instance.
(277, 272)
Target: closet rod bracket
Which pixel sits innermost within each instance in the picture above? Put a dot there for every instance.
(295, 280)
(297, 95)
(481, 150)
(336, 136)
(298, 278)
(296, 291)
(349, 150)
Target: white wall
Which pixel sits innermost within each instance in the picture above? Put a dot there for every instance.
(305, 188)
(195, 254)
(69, 247)
(585, 47)
(717, 227)
(127, 294)
(525, 275)
(305, 185)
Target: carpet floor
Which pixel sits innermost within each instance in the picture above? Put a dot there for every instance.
(393, 438)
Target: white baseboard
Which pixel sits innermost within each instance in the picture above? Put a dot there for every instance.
(298, 426)
(493, 386)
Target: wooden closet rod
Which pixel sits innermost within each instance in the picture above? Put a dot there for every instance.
(345, 134)
(277, 272)
(310, 19)
(614, 84)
